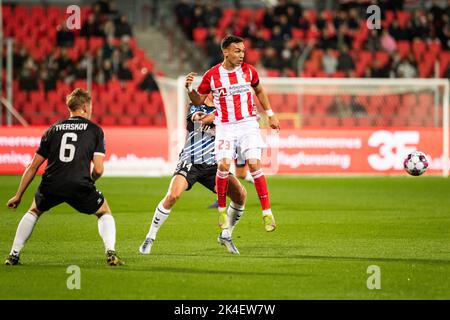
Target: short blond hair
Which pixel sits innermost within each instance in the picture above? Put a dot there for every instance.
(77, 98)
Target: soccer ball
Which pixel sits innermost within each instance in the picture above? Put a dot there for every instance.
(416, 163)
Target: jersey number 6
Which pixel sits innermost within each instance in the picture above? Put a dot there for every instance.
(66, 146)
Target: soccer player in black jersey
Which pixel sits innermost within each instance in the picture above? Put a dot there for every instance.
(197, 164)
(70, 146)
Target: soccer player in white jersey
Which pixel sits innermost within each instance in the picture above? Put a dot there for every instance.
(230, 83)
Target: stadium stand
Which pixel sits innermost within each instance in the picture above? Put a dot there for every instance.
(408, 46)
(50, 61)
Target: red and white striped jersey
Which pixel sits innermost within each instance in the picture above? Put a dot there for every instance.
(233, 97)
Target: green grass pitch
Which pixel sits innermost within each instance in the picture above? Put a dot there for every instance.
(330, 230)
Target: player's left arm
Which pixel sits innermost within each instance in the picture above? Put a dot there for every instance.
(265, 103)
(98, 169)
(27, 178)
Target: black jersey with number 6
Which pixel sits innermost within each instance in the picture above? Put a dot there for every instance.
(70, 146)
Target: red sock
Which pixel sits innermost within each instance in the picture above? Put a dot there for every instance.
(261, 189)
(222, 187)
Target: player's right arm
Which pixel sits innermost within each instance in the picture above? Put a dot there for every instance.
(27, 178)
(196, 98)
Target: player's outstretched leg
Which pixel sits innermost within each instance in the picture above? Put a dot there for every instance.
(263, 194)
(177, 186)
(23, 233)
(107, 231)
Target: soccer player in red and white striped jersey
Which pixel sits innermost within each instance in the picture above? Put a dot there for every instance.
(230, 83)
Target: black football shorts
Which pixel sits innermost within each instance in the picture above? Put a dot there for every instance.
(87, 200)
(202, 173)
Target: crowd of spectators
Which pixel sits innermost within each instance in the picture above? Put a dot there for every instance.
(333, 35)
(110, 61)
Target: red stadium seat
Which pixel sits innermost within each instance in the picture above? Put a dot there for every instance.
(143, 120)
(134, 109)
(108, 120)
(126, 121)
(403, 48)
(252, 56)
(200, 35)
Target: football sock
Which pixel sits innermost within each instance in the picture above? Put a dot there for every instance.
(24, 230)
(107, 230)
(235, 211)
(261, 189)
(222, 188)
(161, 214)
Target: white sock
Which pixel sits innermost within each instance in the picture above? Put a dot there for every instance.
(235, 211)
(24, 230)
(249, 177)
(161, 214)
(107, 230)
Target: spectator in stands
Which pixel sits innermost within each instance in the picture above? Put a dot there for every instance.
(91, 28)
(396, 32)
(285, 27)
(116, 61)
(109, 29)
(122, 27)
(345, 61)
(148, 83)
(373, 43)
(343, 36)
(329, 62)
(271, 60)
(259, 42)
(287, 56)
(125, 72)
(65, 66)
(387, 42)
(81, 67)
(125, 49)
(20, 55)
(339, 108)
(378, 70)
(28, 80)
(292, 17)
(108, 48)
(64, 37)
(277, 40)
(48, 78)
(213, 48)
(269, 18)
(280, 8)
(212, 14)
(296, 6)
(251, 30)
(328, 40)
(358, 109)
(183, 15)
(407, 68)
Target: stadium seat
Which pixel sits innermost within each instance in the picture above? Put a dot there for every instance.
(108, 120)
(143, 120)
(200, 35)
(126, 121)
(403, 48)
